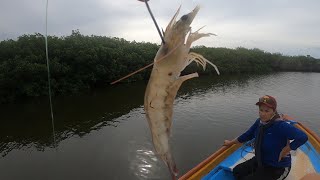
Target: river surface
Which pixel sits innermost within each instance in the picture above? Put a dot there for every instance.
(105, 135)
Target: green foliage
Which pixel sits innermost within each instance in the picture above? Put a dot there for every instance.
(79, 63)
(242, 60)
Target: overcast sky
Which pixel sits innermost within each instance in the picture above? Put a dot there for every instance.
(291, 27)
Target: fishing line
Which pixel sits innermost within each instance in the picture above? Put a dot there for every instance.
(49, 83)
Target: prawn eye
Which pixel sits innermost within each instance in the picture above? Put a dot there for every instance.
(184, 17)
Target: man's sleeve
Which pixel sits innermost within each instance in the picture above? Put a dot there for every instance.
(249, 134)
(295, 134)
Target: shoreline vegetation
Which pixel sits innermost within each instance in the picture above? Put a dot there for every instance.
(79, 63)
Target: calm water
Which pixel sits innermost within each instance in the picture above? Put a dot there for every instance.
(105, 135)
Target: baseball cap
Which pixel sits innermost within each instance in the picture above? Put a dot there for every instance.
(268, 101)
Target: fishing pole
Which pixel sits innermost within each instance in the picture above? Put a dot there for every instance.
(162, 39)
(153, 19)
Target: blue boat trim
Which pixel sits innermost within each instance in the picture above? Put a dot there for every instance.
(224, 172)
(313, 155)
(223, 169)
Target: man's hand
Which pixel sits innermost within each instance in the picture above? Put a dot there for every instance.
(285, 151)
(230, 143)
(227, 143)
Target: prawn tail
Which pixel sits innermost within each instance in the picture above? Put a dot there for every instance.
(168, 158)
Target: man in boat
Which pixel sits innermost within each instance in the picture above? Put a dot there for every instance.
(274, 139)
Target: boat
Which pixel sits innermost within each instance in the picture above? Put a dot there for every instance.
(218, 166)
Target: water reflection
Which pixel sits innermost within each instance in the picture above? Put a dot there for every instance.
(25, 124)
(106, 131)
(205, 84)
(144, 164)
(29, 123)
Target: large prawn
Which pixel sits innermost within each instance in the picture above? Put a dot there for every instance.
(165, 80)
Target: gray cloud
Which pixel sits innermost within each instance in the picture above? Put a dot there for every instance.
(287, 26)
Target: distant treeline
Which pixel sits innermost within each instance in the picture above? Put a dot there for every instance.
(79, 63)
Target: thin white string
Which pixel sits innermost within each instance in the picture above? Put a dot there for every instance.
(49, 83)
